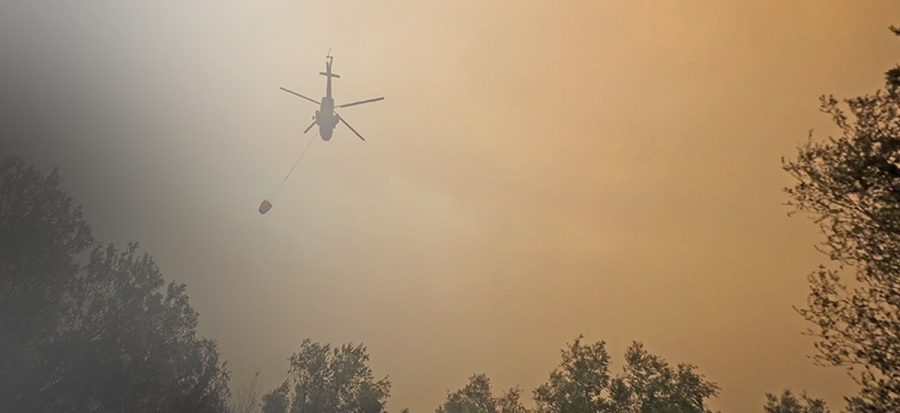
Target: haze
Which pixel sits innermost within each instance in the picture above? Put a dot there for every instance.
(536, 171)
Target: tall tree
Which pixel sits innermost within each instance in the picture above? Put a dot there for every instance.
(134, 337)
(41, 232)
(583, 384)
(103, 333)
(655, 386)
(477, 397)
(323, 379)
(851, 186)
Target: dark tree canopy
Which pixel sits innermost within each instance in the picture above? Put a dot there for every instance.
(583, 384)
(787, 402)
(41, 232)
(477, 397)
(850, 184)
(654, 386)
(95, 333)
(323, 379)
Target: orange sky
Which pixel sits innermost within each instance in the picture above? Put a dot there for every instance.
(537, 171)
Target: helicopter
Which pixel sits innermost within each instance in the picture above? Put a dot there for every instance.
(326, 117)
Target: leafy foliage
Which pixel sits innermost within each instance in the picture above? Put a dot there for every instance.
(477, 397)
(655, 386)
(851, 185)
(323, 379)
(789, 403)
(137, 338)
(583, 384)
(109, 335)
(40, 233)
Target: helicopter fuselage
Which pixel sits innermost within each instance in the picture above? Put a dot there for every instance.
(326, 118)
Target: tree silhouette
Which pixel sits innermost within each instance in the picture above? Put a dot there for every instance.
(788, 403)
(41, 232)
(850, 184)
(583, 384)
(477, 397)
(323, 379)
(103, 335)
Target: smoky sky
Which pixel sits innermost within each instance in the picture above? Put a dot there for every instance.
(536, 171)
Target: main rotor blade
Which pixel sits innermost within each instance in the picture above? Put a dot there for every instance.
(358, 103)
(340, 118)
(297, 94)
(310, 126)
